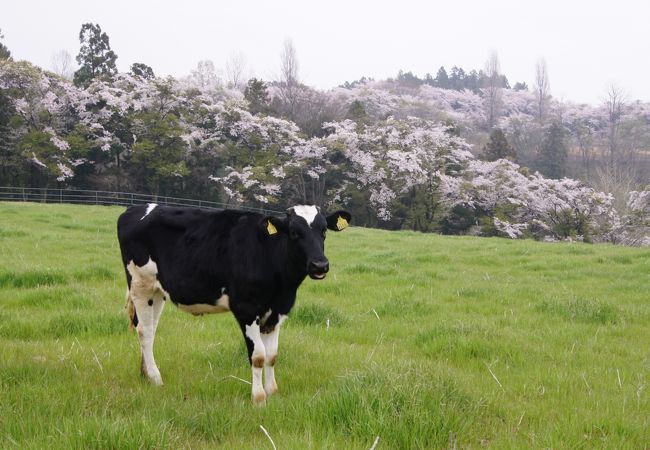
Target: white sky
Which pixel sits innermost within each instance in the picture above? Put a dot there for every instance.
(587, 44)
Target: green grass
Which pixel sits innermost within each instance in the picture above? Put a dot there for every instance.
(485, 342)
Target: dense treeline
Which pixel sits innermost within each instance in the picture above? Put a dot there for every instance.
(399, 153)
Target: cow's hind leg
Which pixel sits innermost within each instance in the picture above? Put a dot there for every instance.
(148, 303)
(158, 305)
(148, 311)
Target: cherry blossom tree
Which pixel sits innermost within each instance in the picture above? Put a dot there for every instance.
(256, 148)
(517, 203)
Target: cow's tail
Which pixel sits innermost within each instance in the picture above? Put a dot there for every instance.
(130, 310)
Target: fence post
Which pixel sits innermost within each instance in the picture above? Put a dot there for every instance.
(96, 202)
(60, 195)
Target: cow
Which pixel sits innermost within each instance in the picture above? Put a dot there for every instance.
(209, 261)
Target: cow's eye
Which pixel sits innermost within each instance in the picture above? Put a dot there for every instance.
(293, 234)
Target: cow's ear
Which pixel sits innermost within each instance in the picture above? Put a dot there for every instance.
(272, 225)
(339, 220)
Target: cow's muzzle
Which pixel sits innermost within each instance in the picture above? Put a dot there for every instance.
(318, 269)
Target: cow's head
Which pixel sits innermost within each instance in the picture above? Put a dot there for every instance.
(306, 227)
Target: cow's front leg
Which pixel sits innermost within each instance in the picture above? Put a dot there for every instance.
(257, 356)
(270, 340)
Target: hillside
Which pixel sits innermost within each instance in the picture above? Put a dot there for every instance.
(397, 155)
(432, 342)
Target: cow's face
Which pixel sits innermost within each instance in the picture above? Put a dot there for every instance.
(306, 228)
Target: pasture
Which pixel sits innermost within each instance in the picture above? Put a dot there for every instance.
(422, 340)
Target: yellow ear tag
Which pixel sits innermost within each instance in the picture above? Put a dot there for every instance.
(341, 223)
(271, 228)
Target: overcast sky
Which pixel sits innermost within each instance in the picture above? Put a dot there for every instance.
(587, 44)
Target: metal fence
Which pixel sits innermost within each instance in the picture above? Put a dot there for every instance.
(87, 197)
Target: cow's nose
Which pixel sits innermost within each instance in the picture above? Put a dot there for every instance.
(319, 266)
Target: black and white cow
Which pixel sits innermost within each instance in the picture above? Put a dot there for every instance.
(216, 261)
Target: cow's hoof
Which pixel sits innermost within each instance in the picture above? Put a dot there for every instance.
(155, 379)
(259, 398)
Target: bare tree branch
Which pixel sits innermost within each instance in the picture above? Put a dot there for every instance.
(542, 89)
(492, 90)
(289, 64)
(289, 83)
(62, 64)
(614, 103)
(235, 68)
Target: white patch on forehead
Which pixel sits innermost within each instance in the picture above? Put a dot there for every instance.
(307, 212)
(150, 207)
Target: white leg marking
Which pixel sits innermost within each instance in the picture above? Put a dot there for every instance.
(271, 345)
(145, 288)
(147, 322)
(158, 306)
(257, 362)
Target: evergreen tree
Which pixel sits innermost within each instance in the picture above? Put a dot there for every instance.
(498, 147)
(408, 79)
(553, 153)
(9, 157)
(143, 71)
(472, 81)
(442, 79)
(519, 86)
(357, 112)
(457, 78)
(4, 51)
(95, 55)
(257, 96)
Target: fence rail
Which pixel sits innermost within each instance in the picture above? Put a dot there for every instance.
(88, 197)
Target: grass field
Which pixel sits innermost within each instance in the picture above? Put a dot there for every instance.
(433, 342)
